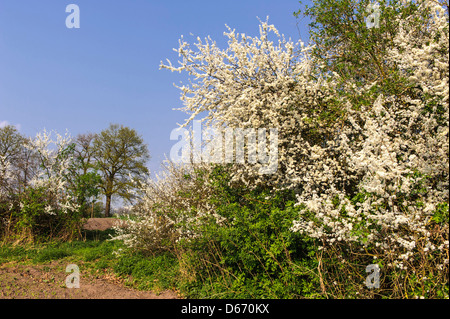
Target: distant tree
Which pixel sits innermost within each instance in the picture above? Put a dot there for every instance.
(21, 161)
(84, 151)
(9, 145)
(84, 180)
(10, 142)
(121, 156)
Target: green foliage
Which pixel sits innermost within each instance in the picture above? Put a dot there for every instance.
(156, 272)
(120, 153)
(350, 52)
(39, 218)
(253, 254)
(344, 41)
(33, 203)
(86, 186)
(51, 253)
(95, 254)
(15, 253)
(441, 214)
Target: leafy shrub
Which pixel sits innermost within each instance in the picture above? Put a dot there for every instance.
(251, 253)
(169, 209)
(39, 216)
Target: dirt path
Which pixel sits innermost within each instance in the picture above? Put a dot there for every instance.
(101, 223)
(48, 282)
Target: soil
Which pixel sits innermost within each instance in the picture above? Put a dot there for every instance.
(47, 281)
(101, 223)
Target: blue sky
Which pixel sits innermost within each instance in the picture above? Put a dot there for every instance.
(107, 71)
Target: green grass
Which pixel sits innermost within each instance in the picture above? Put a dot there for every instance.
(156, 273)
(89, 251)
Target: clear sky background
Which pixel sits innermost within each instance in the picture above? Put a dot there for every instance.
(107, 71)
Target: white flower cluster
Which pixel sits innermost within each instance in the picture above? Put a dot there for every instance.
(254, 83)
(399, 158)
(393, 154)
(172, 207)
(6, 176)
(246, 86)
(54, 159)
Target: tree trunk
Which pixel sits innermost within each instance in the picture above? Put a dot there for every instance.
(108, 206)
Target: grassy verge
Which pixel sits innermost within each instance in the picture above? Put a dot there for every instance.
(97, 256)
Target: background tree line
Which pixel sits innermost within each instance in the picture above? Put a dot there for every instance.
(67, 175)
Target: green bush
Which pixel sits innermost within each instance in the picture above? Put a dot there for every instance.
(36, 215)
(253, 253)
